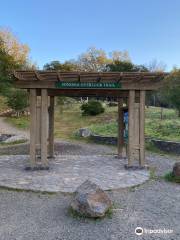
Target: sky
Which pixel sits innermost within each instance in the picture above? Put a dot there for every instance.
(63, 29)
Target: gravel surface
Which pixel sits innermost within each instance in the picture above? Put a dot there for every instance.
(153, 205)
(32, 216)
(63, 148)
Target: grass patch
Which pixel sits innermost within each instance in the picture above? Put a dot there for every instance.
(166, 129)
(3, 105)
(21, 122)
(109, 129)
(12, 143)
(152, 148)
(77, 215)
(171, 178)
(71, 119)
(152, 173)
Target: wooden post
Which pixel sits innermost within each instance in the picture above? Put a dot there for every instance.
(51, 127)
(38, 124)
(141, 129)
(120, 127)
(136, 131)
(131, 126)
(33, 114)
(44, 127)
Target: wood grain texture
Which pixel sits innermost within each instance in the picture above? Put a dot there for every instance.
(33, 113)
(44, 126)
(120, 127)
(131, 136)
(51, 127)
(142, 128)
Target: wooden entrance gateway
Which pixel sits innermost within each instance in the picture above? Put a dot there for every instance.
(128, 88)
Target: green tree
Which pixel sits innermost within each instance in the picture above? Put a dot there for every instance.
(63, 67)
(13, 55)
(171, 89)
(125, 66)
(17, 99)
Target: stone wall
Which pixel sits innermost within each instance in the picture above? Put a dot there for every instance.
(103, 139)
(166, 146)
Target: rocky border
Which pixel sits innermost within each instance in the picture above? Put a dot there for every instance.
(166, 146)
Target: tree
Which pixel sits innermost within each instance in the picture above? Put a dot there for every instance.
(17, 99)
(125, 66)
(93, 60)
(63, 67)
(13, 47)
(13, 55)
(171, 89)
(155, 66)
(121, 56)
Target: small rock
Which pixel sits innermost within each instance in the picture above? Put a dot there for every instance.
(15, 138)
(83, 132)
(176, 169)
(4, 137)
(90, 200)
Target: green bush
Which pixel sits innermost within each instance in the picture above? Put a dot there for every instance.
(17, 99)
(92, 108)
(171, 178)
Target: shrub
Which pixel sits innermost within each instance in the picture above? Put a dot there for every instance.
(17, 100)
(171, 178)
(92, 108)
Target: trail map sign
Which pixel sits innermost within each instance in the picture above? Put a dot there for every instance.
(101, 85)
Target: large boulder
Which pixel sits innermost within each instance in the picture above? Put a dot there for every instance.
(176, 169)
(90, 200)
(15, 138)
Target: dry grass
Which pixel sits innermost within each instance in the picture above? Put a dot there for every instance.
(3, 105)
(70, 120)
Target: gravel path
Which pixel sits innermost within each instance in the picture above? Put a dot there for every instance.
(32, 216)
(153, 205)
(9, 129)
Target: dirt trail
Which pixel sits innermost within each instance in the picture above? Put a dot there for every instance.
(7, 128)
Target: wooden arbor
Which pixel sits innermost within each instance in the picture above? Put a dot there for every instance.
(129, 88)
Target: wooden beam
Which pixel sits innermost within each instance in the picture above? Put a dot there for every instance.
(131, 136)
(142, 128)
(128, 80)
(125, 85)
(44, 127)
(51, 127)
(33, 113)
(120, 127)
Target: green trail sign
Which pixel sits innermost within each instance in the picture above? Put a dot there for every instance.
(102, 85)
